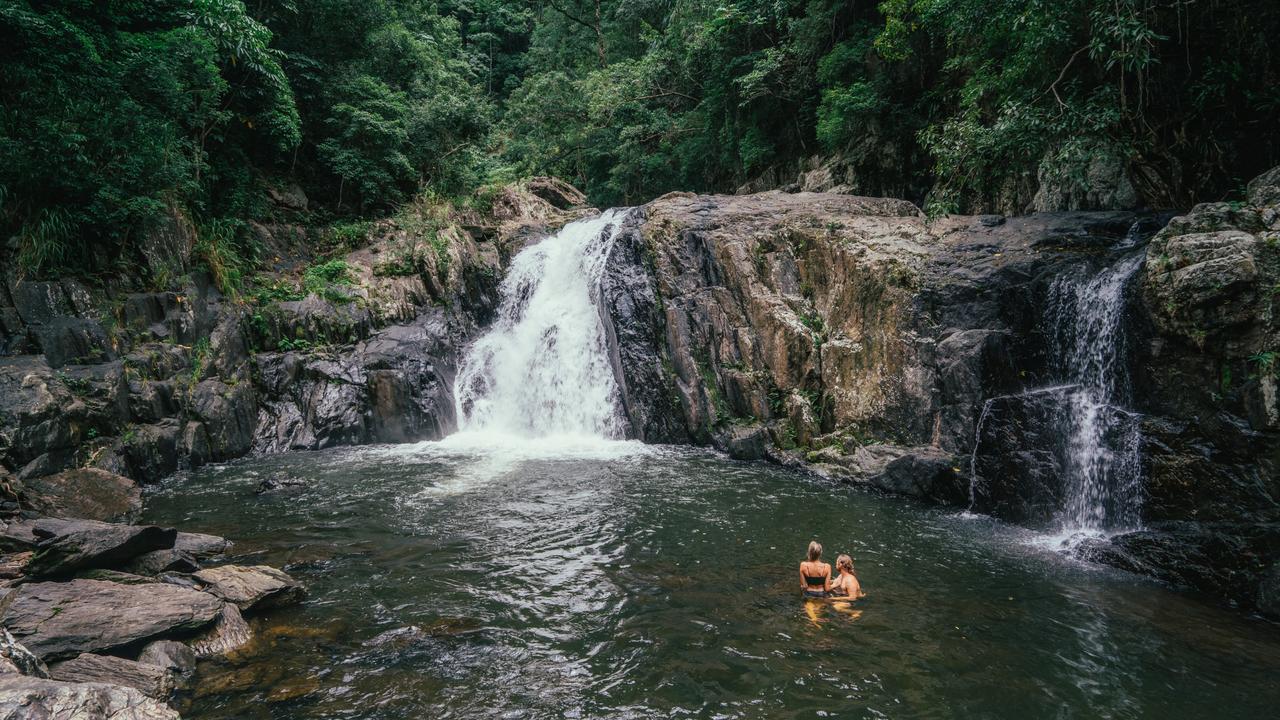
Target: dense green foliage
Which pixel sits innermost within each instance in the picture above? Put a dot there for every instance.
(117, 111)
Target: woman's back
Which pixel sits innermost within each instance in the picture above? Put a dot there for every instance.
(815, 575)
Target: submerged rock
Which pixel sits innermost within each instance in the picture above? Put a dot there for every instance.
(171, 655)
(61, 620)
(281, 483)
(23, 698)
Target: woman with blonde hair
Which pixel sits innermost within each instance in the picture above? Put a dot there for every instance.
(847, 585)
(815, 575)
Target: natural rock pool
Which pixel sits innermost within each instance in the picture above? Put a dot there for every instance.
(482, 577)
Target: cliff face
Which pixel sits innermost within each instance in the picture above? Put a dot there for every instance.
(850, 336)
(1208, 371)
(843, 331)
(142, 383)
(858, 339)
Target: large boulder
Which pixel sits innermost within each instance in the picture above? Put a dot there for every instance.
(151, 680)
(85, 493)
(228, 414)
(256, 587)
(65, 546)
(61, 620)
(29, 698)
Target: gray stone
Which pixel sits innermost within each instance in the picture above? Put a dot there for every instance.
(256, 587)
(229, 634)
(1264, 190)
(151, 680)
(229, 415)
(172, 655)
(68, 340)
(161, 561)
(559, 193)
(152, 451)
(60, 620)
(281, 483)
(28, 698)
(66, 546)
(201, 546)
(85, 493)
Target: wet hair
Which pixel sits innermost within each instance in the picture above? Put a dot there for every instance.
(844, 561)
(815, 550)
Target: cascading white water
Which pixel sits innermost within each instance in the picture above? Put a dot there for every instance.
(543, 368)
(1102, 445)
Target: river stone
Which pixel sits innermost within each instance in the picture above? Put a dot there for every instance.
(151, 680)
(85, 493)
(172, 655)
(69, 545)
(256, 587)
(926, 473)
(60, 620)
(280, 484)
(29, 698)
(160, 561)
(229, 634)
(16, 658)
(201, 546)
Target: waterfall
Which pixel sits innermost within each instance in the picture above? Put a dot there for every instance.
(1102, 469)
(543, 368)
(1087, 442)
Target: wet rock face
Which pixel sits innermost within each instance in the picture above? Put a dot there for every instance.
(1209, 369)
(831, 320)
(864, 339)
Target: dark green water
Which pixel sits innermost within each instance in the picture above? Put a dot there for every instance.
(617, 581)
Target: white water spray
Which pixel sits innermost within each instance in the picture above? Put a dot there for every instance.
(1103, 478)
(543, 369)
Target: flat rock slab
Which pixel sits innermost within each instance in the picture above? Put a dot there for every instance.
(62, 620)
(256, 587)
(29, 698)
(86, 493)
(151, 680)
(66, 546)
(201, 546)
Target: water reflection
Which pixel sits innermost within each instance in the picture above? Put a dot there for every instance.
(626, 581)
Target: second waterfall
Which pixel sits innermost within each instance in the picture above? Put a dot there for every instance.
(543, 368)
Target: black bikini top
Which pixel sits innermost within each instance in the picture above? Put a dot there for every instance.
(820, 580)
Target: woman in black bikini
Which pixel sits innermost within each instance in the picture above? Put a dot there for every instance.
(815, 575)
